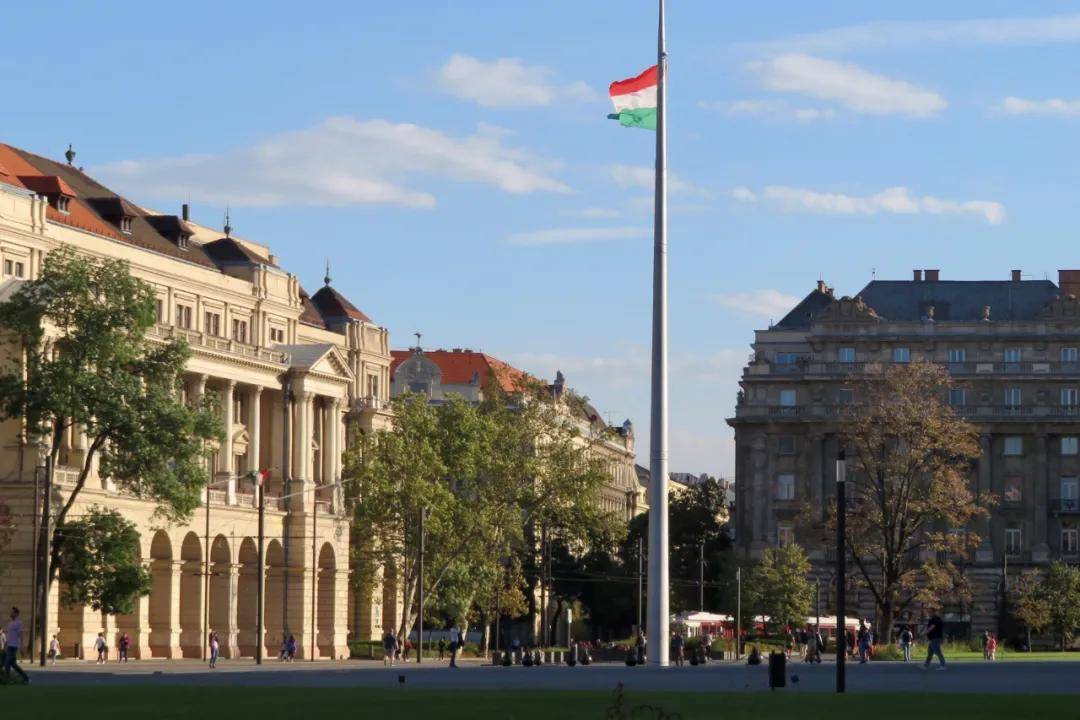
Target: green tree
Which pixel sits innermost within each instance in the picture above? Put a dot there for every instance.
(100, 564)
(780, 588)
(79, 359)
(1061, 588)
(910, 467)
(1029, 602)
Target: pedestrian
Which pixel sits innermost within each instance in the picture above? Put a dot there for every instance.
(283, 654)
(215, 648)
(455, 644)
(863, 639)
(986, 644)
(12, 641)
(677, 643)
(935, 633)
(102, 648)
(122, 647)
(389, 648)
(905, 642)
(991, 647)
(54, 650)
(290, 649)
(442, 648)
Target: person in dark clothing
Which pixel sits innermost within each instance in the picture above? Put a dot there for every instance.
(935, 634)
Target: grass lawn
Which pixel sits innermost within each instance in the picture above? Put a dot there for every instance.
(167, 702)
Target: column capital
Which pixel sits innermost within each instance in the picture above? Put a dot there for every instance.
(256, 390)
(230, 384)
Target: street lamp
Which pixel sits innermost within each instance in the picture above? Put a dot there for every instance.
(841, 570)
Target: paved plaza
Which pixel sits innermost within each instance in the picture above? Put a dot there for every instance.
(960, 677)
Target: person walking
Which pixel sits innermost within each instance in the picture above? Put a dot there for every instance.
(122, 647)
(991, 647)
(283, 654)
(442, 648)
(455, 644)
(863, 640)
(12, 641)
(102, 648)
(215, 649)
(54, 650)
(677, 645)
(906, 637)
(389, 648)
(290, 649)
(935, 634)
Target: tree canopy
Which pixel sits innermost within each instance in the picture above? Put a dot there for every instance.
(100, 565)
(780, 589)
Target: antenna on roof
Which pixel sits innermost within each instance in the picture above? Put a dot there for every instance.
(228, 227)
(873, 273)
(70, 154)
(326, 277)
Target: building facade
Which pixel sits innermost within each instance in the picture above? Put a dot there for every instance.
(466, 373)
(251, 326)
(1011, 348)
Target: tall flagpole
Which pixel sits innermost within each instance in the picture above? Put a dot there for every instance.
(657, 622)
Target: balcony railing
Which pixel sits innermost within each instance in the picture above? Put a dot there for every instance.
(1068, 506)
(961, 369)
(198, 339)
(769, 411)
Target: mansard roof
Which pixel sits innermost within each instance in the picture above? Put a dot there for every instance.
(959, 300)
(800, 317)
(335, 307)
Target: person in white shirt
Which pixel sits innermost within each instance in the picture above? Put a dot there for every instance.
(455, 645)
(102, 648)
(13, 634)
(54, 650)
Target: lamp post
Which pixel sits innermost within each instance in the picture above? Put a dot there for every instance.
(420, 592)
(841, 570)
(738, 612)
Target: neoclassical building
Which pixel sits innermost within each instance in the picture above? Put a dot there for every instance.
(467, 373)
(251, 327)
(1012, 347)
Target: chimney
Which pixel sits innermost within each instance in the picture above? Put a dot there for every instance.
(1069, 282)
(185, 212)
(932, 275)
(1016, 276)
(918, 275)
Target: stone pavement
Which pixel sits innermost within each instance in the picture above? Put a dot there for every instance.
(960, 677)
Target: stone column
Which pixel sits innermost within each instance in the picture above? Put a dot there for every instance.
(1040, 550)
(254, 428)
(225, 458)
(230, 645)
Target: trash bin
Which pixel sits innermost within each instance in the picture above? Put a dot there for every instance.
(777, 670)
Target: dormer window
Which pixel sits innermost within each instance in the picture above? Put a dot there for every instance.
(62, 203)
(125, 225)
(182, 241)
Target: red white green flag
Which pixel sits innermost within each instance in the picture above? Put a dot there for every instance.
(635, 100)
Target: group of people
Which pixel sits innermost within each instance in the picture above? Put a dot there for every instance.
(397, 649)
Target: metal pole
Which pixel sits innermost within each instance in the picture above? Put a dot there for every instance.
(658, 437)
(420, 594)
(43, 569)
(206, 580)
(738, 612)
(701, 580)
(286, 477)
(640, 558)
(314, 566)
(841, 571)
(543, 588)
(260, 583)
(35, 596)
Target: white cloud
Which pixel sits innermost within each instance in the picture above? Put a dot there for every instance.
(878, 36)
(848, 84)
(507, 82)
(1049, 106)
(576, 236)
(643, 177)
(342, 161)
(766, 303)
(594, 213)
(771, 109)
(895, 200)
(743, 194)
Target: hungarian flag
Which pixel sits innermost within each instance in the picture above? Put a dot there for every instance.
(635, 100)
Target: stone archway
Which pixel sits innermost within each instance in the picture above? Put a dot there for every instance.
(273, 618)
(191, 580)
(247, 598)
(164, 626)
(221, 595)
(71, 631)
(326, 592)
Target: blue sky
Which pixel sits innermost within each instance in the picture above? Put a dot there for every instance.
(454, 162)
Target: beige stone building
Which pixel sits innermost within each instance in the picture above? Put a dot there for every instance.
(251, 326)
(1013, 349)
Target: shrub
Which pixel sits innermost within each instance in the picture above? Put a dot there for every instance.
(887, 653)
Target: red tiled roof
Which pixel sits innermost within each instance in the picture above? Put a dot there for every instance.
(47, 185)
(458, 367)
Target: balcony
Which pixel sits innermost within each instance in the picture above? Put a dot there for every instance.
(198, 339)
(1067, 506)
(370, 402)
(958, 369)
(769, 411)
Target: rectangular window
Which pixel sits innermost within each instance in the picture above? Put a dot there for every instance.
(1013, 541)
(785, 535)
(785, 487)
(1014, 445)
(9, 267)
(1070, 445)
(957, 355)
(901, 355)
(277, 335)
(845, 355)
(159, 310)
(957, 397)
(785, 358)
(183, 316)
(20, 270)
(1014, 489)
(1068, 354)
(239, 330)
(1013, 397)
(1070, 493)
(787, 398)
(845, 396)
(785, 444)
(1068, 397)
(373, 386)
(212, 324)
(1069, 538)
(1012, 355)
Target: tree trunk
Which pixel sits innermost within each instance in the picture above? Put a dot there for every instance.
(485, 639)
(886, 620)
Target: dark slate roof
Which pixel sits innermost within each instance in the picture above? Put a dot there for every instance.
(228, 250)
(310, 314)
(959, 300)
(335, 307)
(643, 475)
(803, 313)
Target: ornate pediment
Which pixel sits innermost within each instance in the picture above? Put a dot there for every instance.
(848, 309)
(332, 363)
(240, 440)
(1062, 307)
